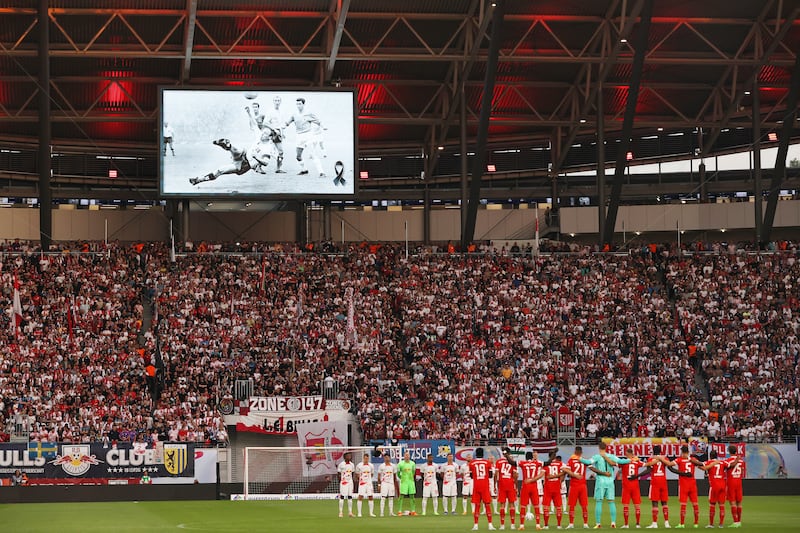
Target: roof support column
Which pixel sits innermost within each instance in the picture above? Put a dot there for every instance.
(783, 147)
(426, 215)
(45, 161)
(756, 147)
(601, 168)
(483, 125)
(627, 123)
(464, 163)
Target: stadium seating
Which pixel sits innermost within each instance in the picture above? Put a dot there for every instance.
(475, 347)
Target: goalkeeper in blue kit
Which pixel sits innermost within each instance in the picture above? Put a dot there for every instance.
(603, 465)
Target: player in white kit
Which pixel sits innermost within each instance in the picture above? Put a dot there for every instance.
(346, 469)
(430, 486)
(365, 488)
(466, 486)
(387, 475)
(449, 485)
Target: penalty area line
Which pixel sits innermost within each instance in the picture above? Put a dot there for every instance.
(201, 527)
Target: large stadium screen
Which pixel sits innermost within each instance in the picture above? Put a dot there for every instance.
(279, 143)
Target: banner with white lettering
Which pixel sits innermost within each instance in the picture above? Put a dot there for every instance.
(643, 446)
(320, 434)
(95, 462)
(283, 421)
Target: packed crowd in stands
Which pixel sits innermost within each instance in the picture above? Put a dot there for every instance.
(480, 346)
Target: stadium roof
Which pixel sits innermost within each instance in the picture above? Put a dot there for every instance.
(406, 59)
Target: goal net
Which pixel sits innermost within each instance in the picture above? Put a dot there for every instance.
(272, 473)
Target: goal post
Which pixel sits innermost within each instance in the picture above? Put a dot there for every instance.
(302, 473)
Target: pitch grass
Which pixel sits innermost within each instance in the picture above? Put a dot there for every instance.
(771, 514)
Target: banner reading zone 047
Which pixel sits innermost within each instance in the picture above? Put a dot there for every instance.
(257, 143)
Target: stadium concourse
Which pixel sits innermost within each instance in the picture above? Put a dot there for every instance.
(469, 347)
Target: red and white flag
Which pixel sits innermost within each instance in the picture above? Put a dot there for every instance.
(16, 309)
(72, 318)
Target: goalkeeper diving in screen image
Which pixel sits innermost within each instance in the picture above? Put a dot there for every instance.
(240, 163)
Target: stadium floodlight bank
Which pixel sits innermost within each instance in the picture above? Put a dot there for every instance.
(302, 473)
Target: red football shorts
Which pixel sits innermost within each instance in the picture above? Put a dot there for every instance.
(506, 493)
(552, 496)
(577, 494)
(658, 491)
(530, 494)
(687, 492)
(717, 493)
(735, 491)
(481, 495)
(631, 493)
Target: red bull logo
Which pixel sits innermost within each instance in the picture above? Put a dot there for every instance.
(75, 459)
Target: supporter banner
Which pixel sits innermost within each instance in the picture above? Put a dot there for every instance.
(763, 461)
(291, 404)
(322, 434)
(420, 449)
(94, 461)
(283, 423)
(337, 405)
(466, 453)
(643, 446)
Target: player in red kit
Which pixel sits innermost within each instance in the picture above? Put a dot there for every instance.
(687, 484)
(717, 472)
(553, 476)
(736, 472)
(577, 487)
(658, 486)
(532, 472)
(631, 492)
(507, 474)
(481, 470)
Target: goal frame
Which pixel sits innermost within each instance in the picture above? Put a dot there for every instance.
(307, 451)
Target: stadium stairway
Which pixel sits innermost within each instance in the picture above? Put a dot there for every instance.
(700, 384)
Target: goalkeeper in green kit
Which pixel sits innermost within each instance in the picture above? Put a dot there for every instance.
(406, 470)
